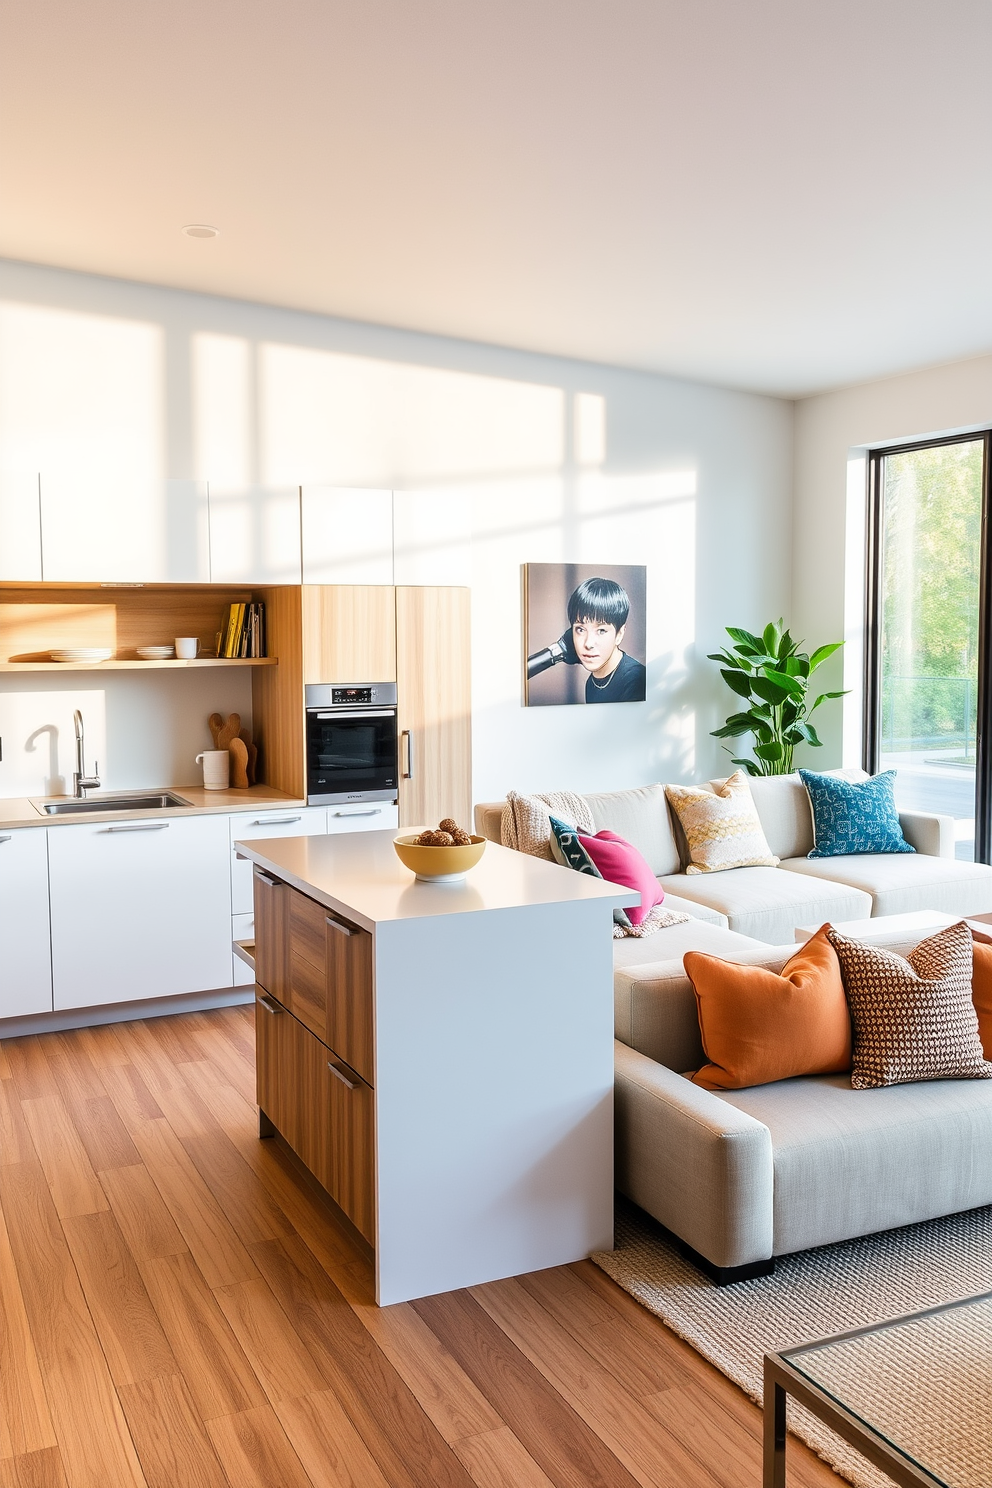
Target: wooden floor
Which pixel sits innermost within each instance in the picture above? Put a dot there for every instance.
(177, 1308)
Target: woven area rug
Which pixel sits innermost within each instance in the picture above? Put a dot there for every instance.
(817, 1293)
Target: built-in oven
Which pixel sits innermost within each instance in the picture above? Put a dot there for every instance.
(351, 743)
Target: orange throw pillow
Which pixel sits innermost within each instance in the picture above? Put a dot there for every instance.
(758, 1025)
(981, 987)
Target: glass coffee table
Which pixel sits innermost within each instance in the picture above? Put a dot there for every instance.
(913, 1395)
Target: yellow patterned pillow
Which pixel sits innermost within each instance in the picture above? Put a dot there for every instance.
(721, 826)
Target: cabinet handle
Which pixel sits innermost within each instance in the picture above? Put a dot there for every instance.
(267, 878)
(340, 1075)
(376, 811)
(276, 821)
(5, 838)
(337, 925)
(139, 827)
(270, 1005)
(408, 736)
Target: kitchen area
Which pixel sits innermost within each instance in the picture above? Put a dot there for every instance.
(114, 905)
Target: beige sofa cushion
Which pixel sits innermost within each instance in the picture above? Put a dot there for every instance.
(851, 1163)
(641, 817)
(901, 882)
(654, 1006)
(767, 903)
(784, 812)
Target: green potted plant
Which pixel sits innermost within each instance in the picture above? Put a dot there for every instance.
(773, 676)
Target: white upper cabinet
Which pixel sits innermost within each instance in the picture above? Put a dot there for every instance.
(432, 532)
(255, 535)
(347, 535)
(20, 528)
(124, 530)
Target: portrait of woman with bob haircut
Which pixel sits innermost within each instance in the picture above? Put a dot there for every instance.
(598, 658)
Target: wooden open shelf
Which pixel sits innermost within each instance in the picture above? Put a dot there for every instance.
(110, 666)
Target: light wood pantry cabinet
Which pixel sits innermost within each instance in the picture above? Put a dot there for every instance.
(434, 692)
(25, 945)
(139, 909)
(349, 633)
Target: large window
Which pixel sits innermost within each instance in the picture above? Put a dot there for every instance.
(926, 654)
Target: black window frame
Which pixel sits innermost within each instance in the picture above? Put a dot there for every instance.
(872, 691)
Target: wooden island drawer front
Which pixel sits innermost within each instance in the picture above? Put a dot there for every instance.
(349, 995)
(322, 1108)
(272, 935)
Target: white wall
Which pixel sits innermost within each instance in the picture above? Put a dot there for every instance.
(542, 459)
(833, 432)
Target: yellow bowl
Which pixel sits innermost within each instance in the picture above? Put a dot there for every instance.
(438, 864)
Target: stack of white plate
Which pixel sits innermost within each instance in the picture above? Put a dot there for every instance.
(156, 653)
(83, 653)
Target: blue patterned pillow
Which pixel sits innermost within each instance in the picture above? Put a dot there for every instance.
(570, 853)
(854, 816)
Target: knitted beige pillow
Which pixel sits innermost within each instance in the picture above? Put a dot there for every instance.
(526, 820)
(721, 826)
(913, 1019)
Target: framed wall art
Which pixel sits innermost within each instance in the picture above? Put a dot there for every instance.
(584, 633)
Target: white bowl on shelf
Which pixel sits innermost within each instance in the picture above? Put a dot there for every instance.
(83, 653)
(156, 653)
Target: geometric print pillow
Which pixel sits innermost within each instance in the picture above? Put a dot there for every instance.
(569, 852)
(912, 1019)
(721, 826)
(854, 816)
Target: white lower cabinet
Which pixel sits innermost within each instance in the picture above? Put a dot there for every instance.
(140, 909)
(25, 945)
(374, 817)
(246, 826)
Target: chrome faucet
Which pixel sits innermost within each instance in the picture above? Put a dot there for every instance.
(81, 782)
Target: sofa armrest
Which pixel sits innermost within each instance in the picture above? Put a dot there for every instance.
(700, 1166)
(931, 835)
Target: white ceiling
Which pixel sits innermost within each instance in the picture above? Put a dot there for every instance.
(783, 195)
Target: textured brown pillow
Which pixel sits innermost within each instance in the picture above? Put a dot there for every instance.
(913, 1019)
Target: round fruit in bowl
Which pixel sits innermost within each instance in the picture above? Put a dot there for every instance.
(440, 855)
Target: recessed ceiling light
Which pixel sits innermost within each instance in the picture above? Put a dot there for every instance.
(200, 230)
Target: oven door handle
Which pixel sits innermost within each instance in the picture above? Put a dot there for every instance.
(340, 713)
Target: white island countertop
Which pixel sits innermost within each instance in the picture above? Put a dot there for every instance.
(359, 876)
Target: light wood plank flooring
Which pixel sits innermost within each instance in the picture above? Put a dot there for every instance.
(177, 1308)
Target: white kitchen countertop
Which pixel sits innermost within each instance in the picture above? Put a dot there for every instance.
(25, 811)
(359, 876)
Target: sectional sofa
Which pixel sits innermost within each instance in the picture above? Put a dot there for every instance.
(743, 1176)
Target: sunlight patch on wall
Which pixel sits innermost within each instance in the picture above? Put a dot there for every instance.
(222, 411)
(333, 419)
(589, 426)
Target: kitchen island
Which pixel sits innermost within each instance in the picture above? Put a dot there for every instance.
(440, 1056)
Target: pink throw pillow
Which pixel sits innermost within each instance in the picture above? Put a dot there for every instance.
(621, 863)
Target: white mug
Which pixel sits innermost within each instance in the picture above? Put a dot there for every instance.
(186, 647)
(216, 768)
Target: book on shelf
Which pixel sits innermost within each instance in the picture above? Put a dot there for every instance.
(244, 631)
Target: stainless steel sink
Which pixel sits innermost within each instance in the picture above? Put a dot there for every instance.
(138, 801)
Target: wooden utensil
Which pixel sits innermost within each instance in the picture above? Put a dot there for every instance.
(245, 737)
(215, 724)
(229, 731)
(239, 764)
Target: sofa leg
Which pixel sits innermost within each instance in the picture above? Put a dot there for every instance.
(721, 1275)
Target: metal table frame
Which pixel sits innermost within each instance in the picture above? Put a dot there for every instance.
(783, 1379)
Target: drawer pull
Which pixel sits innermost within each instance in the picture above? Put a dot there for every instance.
(267, 878)
(376, 811)
(139, 827)
(337, 925)
(276, 821)
(408, 736)
(340, 1075)
(5, 838)
(270, 1005)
